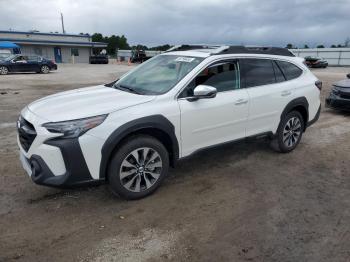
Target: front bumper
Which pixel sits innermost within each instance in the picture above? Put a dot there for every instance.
(50, 159)
(77, 172)
(338, 103)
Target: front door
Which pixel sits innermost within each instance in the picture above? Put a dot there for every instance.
(19, 64)
(58, 54)
(211, 121)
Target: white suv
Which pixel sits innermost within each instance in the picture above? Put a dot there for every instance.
(127, 133)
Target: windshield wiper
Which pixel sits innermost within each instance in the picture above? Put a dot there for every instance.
(128, 88)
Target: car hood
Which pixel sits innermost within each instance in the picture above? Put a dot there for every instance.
(343, 84)
(85, 102)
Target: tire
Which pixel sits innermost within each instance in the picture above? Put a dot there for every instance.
(3, 70)
(131, 179)
(44, 69)
(289, 133)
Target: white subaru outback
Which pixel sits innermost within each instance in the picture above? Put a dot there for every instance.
(129, 132)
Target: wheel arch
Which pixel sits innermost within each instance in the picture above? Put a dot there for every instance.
(156, 126)
(299, 104)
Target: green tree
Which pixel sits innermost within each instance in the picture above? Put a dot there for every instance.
(289, 46)
(97, 37)
(139, 47)
(320, 46)
(113, 42)
(161, 47)
(306, 46)
(333, 46)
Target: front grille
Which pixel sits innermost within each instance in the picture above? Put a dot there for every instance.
(345, 95)
(26, 133)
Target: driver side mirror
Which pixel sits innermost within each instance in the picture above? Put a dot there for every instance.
(202, 92)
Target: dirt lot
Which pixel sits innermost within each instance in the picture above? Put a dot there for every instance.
(241, 202)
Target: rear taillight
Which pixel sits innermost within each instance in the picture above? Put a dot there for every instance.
(318, 84)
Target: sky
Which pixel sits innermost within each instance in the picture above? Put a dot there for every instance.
(156, 22)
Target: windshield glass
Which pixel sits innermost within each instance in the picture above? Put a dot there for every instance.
(158, 75)
(10, 57)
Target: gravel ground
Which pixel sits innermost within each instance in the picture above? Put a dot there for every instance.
(240, 202)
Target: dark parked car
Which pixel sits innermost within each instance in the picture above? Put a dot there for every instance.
(98, 59)
(339, 97)
(138, 56)
(23, 63)
(315, 62)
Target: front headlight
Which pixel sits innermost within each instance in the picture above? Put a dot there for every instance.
(74, 128)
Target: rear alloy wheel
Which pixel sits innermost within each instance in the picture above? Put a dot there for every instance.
(138, 167)
(289, 132)
(44, 69)
(3, 70)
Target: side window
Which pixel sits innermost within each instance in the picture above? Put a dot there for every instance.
(278, 73)
(21, 59)
(224, 76)
(257, 72)
(32, 59)
(289, 70)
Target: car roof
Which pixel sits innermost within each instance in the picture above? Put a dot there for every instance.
(205, 53)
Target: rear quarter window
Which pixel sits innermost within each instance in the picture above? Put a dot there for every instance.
(257, 72)
(289, 70)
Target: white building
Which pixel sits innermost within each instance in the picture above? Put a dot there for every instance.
(63, 48)
(334, 56)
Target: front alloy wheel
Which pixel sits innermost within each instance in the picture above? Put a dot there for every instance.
(141, 169)
(3, 70)
(138, 167)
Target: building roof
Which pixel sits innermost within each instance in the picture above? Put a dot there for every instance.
(40, 33)
(53, 42)
(38, 38)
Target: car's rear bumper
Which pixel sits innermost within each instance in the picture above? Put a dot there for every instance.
(54, 67)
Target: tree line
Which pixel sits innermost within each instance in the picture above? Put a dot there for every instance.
(346, 44)
(115, 42)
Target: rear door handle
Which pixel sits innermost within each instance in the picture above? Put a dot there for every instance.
(241, 101)
(286, 93)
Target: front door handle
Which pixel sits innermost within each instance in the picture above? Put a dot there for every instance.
(241, 101)
(286, 93)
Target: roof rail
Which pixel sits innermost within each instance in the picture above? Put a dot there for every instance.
(257, 50)
(193, 47)
(224, 49)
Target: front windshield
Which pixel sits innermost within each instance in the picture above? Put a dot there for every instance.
(10, 57)
(158, 75)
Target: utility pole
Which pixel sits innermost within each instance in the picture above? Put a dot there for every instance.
(63, 31)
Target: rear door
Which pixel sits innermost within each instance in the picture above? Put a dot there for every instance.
(207, 122)
(269, 93)
(33, 64)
